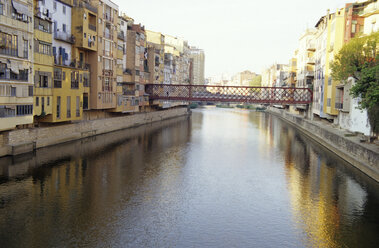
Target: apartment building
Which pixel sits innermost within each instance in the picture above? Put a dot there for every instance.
(320, 61)
(125, 96)
(16, 68)
(335, 41)
(136, 63)
(103, 61)
(84, 27)
(43, 62)
(197, 57)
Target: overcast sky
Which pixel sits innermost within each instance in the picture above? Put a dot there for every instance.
(236, 35)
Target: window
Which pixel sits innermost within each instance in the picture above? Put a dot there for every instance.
(58, 107)
(7, 111)
(57, 78)
(74, 80)
(42, 25)
(13, 91)
(328, 102)
(24, 110)
(1, 9)
(48, 101)
(85, 35)
(64, 9)
(55, 5)
(43, 81)
(77, 106)
(44, 48)
(68, 106)
(8, 44)
(64, 28)
(37, 101)
(26, 48)
(7, 74)
(30, 90)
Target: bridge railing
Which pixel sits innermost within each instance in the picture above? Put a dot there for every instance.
(214, 93)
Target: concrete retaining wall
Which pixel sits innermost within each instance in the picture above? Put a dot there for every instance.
(361, 156)
(25, 140)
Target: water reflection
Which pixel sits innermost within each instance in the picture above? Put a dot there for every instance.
(224, 178)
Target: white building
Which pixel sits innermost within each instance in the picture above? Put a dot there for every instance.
(63, 39)
(321, 36)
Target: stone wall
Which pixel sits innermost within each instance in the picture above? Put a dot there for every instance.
(361, 156)
(20, 141)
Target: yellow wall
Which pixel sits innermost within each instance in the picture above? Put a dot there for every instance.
(63, 93)
(335, 42)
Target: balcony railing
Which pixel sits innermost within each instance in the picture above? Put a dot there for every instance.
(63, 36)
(22, 76)
(74, 84)
(107, 73)
(339, 105)
(86, 5)
(121, 36)
(8, 51)
(130, 92)
(108, 17)
(108, 35)
(92, 27)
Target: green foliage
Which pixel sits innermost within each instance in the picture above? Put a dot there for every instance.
(256, 82)
(359, 59)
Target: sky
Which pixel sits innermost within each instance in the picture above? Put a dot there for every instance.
(236, 35)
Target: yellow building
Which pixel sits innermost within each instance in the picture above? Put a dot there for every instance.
(125, 95)
(86, 41)
(335, 41)
(43, 62)
(16, 73)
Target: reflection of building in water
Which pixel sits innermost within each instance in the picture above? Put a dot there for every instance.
(80, 184)
(319, 198)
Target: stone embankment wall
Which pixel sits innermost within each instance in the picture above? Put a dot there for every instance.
(362, 156)
(25, 140)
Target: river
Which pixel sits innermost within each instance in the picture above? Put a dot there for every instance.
(221, 178)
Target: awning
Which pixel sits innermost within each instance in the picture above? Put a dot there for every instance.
(21, 8)
(15, 67)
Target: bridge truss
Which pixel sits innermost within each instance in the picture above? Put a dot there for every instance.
(238, 94)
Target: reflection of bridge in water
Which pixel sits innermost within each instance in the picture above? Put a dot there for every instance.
(241, 94)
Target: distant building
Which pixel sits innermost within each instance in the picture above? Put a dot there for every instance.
(243, 78)
(197, 65)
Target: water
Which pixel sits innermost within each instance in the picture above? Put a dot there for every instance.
(222, 178)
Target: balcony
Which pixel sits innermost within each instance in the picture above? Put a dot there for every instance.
(63, 36)
(74, 84)
(92, 27)
(107, 53)
(108, 17)
(107, 73)
(311, 61)
(309, 73)
(121, 36)
(108, 35)
(8, 51)
(86, 5)
(130, 92)
(9, 75)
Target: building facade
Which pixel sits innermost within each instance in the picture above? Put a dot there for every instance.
(16, 68)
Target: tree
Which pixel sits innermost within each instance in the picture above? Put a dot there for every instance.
(359, 59)
(256, 81)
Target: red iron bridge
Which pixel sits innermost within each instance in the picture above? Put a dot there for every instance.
(240, 94)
